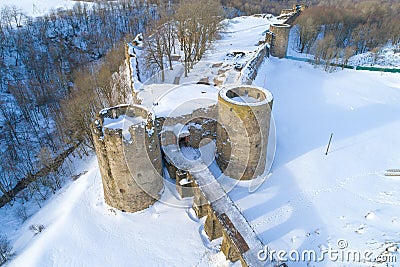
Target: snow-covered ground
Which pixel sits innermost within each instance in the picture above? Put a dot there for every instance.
(309, 202)
(387, 57)
(239, 43)
(312, 200)
(81, 230)
(38, 7)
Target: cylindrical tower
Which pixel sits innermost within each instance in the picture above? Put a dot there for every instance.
(129, 157)
(280, 39)
(242, 132)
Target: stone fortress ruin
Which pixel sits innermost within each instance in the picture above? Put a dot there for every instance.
(134, 144)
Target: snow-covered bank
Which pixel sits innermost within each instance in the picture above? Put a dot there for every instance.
(387, 56)
(311, 200)
(81, 230)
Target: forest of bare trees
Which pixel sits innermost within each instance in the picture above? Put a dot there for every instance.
(336, 30)
(249, 7)
(56, 72)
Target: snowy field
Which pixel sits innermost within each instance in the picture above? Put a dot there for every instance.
(81, 230)
(309, 202)
(36, 8)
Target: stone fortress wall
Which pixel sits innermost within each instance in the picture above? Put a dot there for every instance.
(279, 40)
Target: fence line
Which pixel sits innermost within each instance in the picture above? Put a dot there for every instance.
(309, 60)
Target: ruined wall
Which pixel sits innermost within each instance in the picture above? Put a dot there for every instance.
(201, 124)
(296, 10)
(184, 184)
(250, 70)
(268, 37)
(286, 11)
(242, 133)
(129, 157)
(278, 34)
(128, 64)
(212, 225)
(291, 18)
(200, 203)
(280, 39)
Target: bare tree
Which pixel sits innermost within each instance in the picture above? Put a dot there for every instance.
(348, 52)
(198, 23)
(17, 15)
(5, 249)
(155, 51)
(307, 29)
(168, 35)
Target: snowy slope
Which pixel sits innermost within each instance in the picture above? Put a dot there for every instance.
(386, 57)
(311, 200)
(242, 34)
(81, 230)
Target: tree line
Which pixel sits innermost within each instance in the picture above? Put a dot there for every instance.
(336, 30)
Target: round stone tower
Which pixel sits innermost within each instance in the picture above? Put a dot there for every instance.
(242, 131)
(129, 157)
(280, 39)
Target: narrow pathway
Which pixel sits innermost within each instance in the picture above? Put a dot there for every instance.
(233, 221)
(178, 76)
